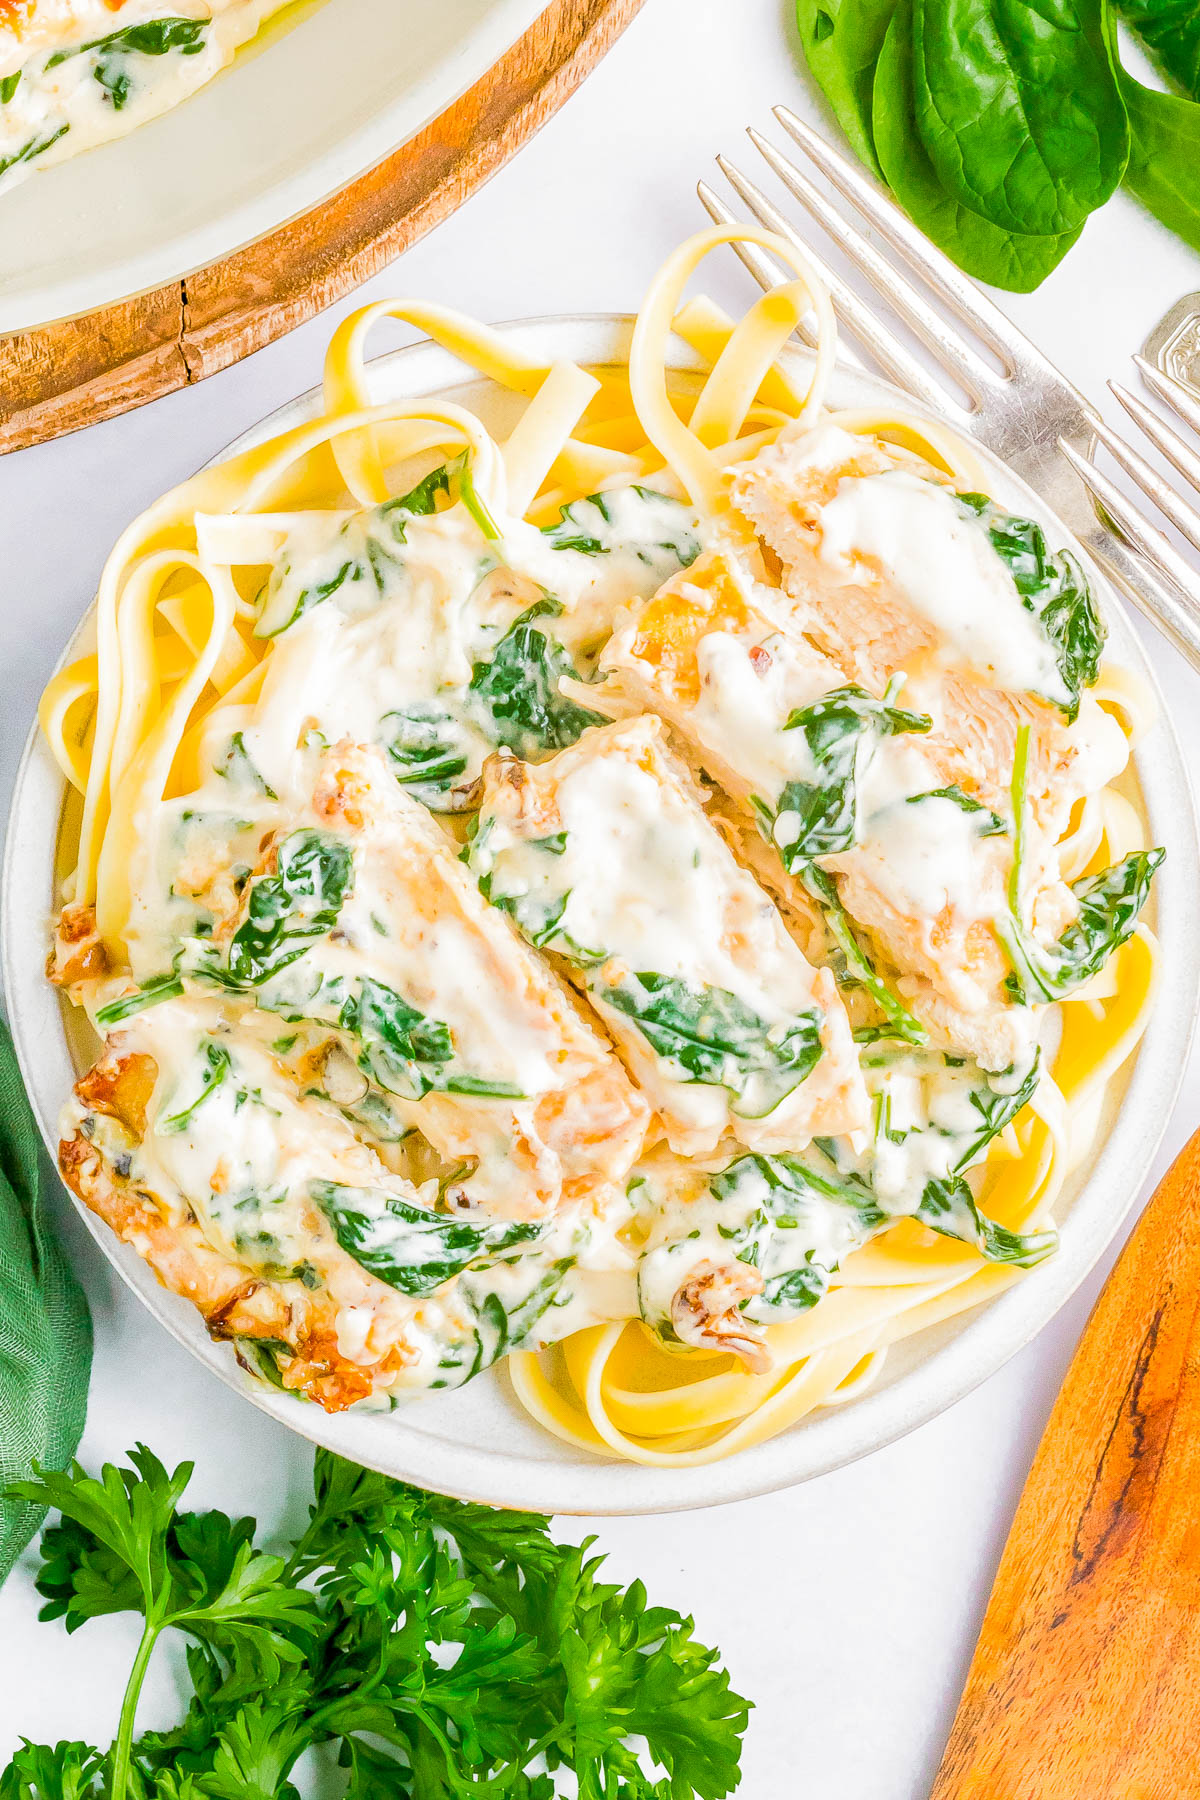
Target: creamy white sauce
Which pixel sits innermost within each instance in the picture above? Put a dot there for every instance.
(71, 97)
(922, 848)
(246, 1117)
(943, 564)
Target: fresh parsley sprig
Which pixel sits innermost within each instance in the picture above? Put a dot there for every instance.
(447, 1651)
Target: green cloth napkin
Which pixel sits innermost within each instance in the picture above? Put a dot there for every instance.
(45, 1330)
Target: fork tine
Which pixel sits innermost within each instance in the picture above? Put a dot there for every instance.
(958, 291)
(883, 347)
(1164, 438)
(1158, 550)
(1178, 397)
(767, 273)
(968, 369)
(1184, 518)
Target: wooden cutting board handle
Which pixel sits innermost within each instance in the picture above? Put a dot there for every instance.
(1085, 1684)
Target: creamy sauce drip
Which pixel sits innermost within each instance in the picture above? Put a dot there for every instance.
(82, 91)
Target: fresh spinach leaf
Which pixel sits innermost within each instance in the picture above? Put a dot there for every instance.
(708, 1035)
(407, 1246)
(1018, 261)
(842, 41)
(287, 910)
(949, 1208)
(1018, 109)
(818, 817)
(1165, 156)
(215, 1067)
(517, 694)
(1170, 30)
(1053, 587)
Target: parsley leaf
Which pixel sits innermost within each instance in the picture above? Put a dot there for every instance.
(445, 1650)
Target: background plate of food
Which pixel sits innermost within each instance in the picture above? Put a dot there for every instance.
(141, 142)
(713, 1224)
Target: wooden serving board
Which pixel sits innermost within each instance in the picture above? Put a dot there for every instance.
(1085, 1683)
(60, 377)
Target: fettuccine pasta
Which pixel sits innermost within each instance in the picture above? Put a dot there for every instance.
(648, 899)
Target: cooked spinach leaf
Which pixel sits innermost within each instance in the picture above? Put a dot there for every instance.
(425, 745)
(9, 86)
(1109, 904)
(149, 993)
(516, 694)
(538, 917)
(419, 502)
(401, 1050)
(155, 37)
(852, 967)
(708, 1035)
(409, 1247)
(987, 823)
(1017, 107)
(470, 498)
(238, 766)
(609, 522)
(818, 817)
(497, 1328)
(950, 1208)
(1053, 587)
(287, 910)
(29, 150)
(215, 1066)
(997, 1106)
(801, 1223)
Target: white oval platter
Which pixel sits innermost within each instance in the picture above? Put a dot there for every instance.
(477, 1443)
(288, 125)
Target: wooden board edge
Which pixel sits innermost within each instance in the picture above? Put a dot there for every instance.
(62, 377)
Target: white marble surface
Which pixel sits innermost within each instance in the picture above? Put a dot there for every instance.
(846, 1609)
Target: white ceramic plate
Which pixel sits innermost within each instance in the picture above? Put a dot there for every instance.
(269, 138)
(477, 1443)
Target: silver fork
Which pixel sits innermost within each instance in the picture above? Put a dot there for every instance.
(1004, 392)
